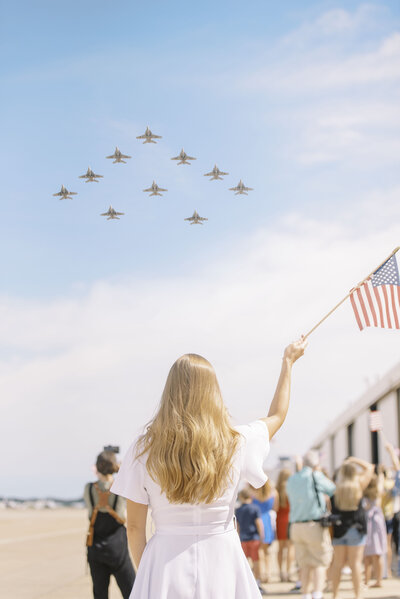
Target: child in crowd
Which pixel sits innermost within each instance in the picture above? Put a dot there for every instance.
(251, 531)
(376, 545)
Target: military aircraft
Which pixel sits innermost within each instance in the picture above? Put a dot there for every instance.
(90, 176)
(196, 219)
(215, 173)
(118, 156)
(65, 194)
(241, 188)
(183, 157)
(154, 189)
(149, 137)
(111, 214)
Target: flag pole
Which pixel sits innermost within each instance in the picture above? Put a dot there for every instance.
(348, 295)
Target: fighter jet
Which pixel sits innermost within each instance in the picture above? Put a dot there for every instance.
(112, 214)
(90, 176)
(241, 188)
(183, 158)
(118, 156)
(154, 189)
(196, 219)
(149, 137)
(215, 173)
(65, 194)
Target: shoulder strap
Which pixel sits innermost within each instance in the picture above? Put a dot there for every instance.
(91, 494)
(316, 492)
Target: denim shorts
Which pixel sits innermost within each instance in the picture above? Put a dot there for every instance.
(352, 538)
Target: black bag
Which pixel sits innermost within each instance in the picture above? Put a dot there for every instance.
(110, 543)
(110, 550)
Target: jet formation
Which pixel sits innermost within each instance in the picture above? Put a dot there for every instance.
(154, 189)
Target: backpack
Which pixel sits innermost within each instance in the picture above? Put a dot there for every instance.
(106, 538)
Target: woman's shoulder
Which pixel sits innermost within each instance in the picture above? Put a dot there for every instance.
(254, 428)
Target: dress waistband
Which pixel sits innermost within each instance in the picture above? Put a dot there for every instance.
(201, 530)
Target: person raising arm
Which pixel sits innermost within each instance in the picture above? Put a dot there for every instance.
(280, 402)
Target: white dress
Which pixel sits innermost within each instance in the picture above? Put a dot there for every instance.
(195, 552)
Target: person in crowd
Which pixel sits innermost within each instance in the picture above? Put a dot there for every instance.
(251, 532)
(306, 491)
(285, 551)
(387, 503)
(266, 498)
(107, 546)
(391, 501)
(376, 545)
(187, 466)
(350, 524)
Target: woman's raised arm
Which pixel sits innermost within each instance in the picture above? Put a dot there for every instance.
(280, 403)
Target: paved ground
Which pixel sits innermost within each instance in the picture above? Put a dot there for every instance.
(42, 556)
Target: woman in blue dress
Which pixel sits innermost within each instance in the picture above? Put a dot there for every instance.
(267, 500)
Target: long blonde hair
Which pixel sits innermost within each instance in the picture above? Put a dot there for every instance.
(263, 492)
(190, 442)
(281, 486)
(348, 491)
(372, 490)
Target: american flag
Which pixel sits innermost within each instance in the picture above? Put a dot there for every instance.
(375, 421)
(376, 303)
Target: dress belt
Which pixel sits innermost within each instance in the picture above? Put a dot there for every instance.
(199, 529)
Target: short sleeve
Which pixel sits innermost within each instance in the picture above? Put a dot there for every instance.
(324, 484)
(255, 452)
(130, 480)
(257, 512)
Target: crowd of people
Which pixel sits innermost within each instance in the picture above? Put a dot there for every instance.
(324, 526)
(188, 466)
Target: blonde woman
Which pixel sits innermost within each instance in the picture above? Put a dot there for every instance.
(187, 466)
(349, 531)
(282, 525)
(266, 498)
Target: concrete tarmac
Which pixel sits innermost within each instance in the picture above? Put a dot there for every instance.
(42, 556)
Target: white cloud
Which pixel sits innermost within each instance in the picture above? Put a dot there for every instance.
(333, 23)
(353, 131)
(78, 373)
(323, 71)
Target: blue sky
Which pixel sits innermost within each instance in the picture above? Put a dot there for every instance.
(300, 100)
(81, 78)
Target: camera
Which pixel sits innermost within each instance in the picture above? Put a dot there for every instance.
(113, 448)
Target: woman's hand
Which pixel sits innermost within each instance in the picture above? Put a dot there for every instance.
(295, 350)
(280, 403)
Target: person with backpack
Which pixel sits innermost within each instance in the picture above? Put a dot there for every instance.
(107, 546)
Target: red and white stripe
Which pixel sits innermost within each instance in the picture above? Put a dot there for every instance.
(376, 306)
